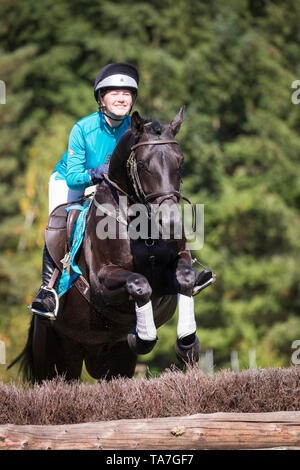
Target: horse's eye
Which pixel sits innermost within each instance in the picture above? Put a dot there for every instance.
(180, 170)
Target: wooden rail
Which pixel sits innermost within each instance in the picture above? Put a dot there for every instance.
(200, 431)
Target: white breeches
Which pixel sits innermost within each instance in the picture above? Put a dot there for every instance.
(60, 193)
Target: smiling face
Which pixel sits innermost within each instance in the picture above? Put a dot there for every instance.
(117, 102)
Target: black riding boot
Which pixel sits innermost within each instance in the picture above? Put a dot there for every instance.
(44, 302)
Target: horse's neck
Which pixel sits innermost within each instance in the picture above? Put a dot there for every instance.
(117, 168)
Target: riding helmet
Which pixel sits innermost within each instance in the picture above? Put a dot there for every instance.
(117, 75)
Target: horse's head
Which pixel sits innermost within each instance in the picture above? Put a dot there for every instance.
(155, 162)
(153, 167)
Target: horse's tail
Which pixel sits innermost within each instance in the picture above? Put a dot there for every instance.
(26, 357)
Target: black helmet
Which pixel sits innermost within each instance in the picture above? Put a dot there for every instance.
(117, 75)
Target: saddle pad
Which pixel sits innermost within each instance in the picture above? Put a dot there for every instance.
(67, 279)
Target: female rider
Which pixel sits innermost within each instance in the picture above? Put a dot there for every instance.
(91, 143)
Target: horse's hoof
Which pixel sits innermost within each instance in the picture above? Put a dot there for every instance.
(138, 345)
(189, 353)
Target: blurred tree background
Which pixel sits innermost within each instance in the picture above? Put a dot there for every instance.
(232, 64)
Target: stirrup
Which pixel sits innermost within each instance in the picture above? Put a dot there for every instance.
(48, 315)
(210, 281)
(198, 289)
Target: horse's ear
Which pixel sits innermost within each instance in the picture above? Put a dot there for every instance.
(137, 124)
(176, 122)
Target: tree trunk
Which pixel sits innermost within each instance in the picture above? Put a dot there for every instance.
(200, 431)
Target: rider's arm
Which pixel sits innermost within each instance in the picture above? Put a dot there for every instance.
(77, 174)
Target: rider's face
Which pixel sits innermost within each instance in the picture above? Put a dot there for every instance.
(117, 102)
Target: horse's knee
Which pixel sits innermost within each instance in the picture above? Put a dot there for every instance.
(186, 278)
(138, 286)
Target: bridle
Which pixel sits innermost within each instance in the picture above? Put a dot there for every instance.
(136, 182)
(134, 175)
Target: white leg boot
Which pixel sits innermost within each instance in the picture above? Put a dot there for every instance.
(187, 346)
(145, 326)
(186, 316)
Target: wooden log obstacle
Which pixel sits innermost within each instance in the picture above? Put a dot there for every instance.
(277, 430)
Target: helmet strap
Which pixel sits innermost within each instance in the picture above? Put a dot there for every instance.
(110, 115)
(113, 116)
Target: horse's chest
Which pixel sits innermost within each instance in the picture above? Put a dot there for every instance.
(160, 254)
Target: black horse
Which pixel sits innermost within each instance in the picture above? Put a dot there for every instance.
(122, 273)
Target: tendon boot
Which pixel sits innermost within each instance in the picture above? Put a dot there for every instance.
(45, 303)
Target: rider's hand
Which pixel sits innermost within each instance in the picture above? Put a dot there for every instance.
(96, 174)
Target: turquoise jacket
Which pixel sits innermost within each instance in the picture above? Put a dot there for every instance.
(91, 143)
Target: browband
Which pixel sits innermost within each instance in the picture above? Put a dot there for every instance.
(153, 142)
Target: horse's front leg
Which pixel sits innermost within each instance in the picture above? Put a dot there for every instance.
(187, 346)
(143, 338)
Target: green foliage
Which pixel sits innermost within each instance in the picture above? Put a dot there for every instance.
(232, 65)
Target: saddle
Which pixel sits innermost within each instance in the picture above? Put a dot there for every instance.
(58, 234)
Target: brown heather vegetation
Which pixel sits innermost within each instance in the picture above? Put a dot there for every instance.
(174, 393)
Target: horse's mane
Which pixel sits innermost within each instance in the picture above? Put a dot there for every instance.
(122, 150)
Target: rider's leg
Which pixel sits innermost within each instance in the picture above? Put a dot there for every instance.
(59, 193)
(44, 300)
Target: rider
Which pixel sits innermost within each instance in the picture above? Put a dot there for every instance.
(91, 143)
